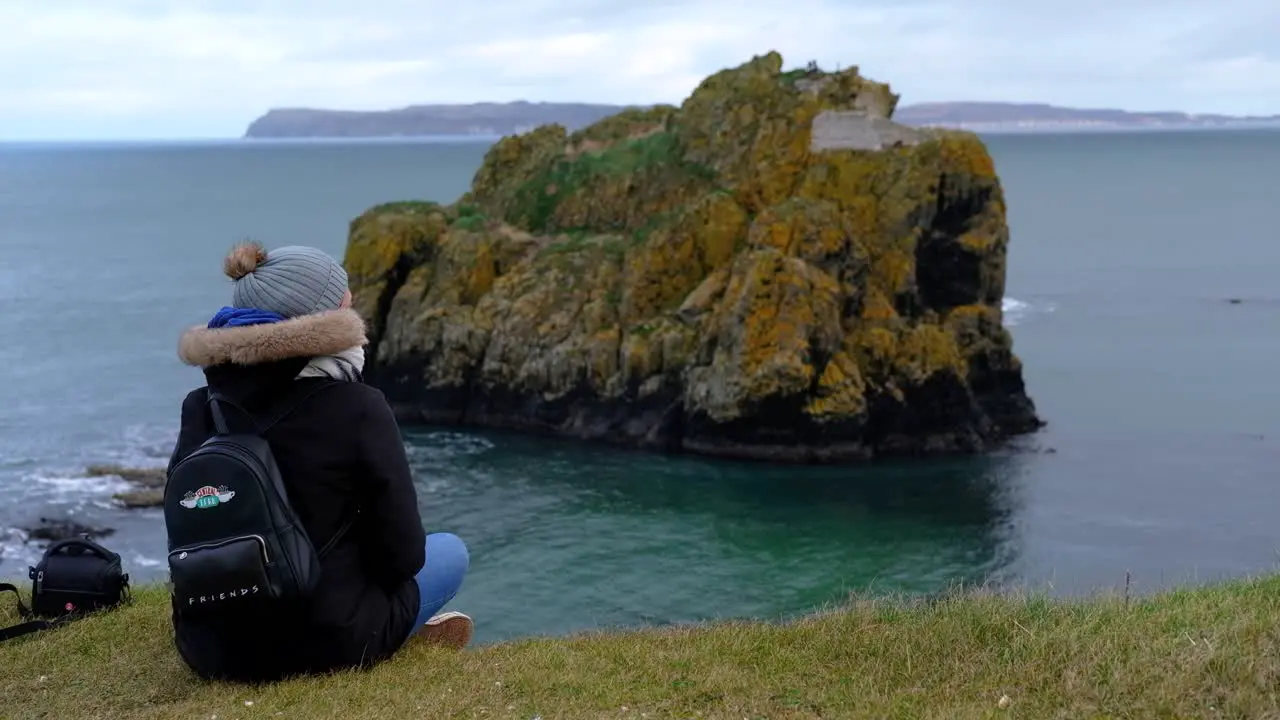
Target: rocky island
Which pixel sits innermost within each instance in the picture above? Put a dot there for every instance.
(775, 269)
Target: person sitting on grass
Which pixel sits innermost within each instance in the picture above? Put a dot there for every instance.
(289, 330)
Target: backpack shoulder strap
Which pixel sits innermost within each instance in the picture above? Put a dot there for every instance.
(215, 408)
(217, 399)
(296, 403)
(341, 532)
(351, 516)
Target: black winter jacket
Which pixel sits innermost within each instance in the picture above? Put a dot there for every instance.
(339, 450)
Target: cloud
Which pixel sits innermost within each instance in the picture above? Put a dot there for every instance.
(152, 68)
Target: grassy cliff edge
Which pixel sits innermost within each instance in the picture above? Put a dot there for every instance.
(1211, 651)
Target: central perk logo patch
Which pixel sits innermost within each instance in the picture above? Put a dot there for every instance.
(207, 497)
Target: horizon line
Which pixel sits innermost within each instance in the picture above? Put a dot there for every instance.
(901, 105)
(470, 139)
(241, 139)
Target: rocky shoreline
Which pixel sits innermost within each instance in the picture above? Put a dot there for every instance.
(147, 491)
(773, 270)
(657, 422)
(148, 484)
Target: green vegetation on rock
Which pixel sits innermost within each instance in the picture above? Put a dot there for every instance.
(772, 269)
(1198, 652)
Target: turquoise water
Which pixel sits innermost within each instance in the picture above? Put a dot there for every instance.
(1160, 457)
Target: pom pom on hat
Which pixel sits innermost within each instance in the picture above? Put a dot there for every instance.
(243, 259)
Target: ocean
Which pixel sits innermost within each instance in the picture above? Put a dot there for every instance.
(1142, 294)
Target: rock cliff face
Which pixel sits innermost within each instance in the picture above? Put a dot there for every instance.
(772, 270)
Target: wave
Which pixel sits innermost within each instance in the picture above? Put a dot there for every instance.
(1016, 311)
(39, 481)
(60, 486)
(443, 445)
(15, 550)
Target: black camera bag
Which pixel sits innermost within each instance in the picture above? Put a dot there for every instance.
(76, 576)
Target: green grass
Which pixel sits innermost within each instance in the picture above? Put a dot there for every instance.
(579, 240)
(1205, 652)
(625, 124)
(407, 206)
(630, 155)
(473, 223)
(643, 329)
(575, 241)
(790, 77)
(536, 200)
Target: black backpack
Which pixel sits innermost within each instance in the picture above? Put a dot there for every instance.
(76, 577)
(235, 541)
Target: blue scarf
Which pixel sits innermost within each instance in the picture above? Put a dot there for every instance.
(239, 317)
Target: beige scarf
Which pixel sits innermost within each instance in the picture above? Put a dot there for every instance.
(347, 365)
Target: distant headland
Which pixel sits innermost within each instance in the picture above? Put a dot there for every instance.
(498, 119)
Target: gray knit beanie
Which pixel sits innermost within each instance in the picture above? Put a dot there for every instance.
(292, 280)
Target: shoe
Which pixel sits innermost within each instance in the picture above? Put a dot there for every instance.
(451, 630)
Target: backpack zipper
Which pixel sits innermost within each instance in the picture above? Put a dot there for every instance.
(262, 543)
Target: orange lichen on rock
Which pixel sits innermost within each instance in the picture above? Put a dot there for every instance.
(840, 393)
(772, 269)
(675, 257)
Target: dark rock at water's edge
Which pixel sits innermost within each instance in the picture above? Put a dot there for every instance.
(142, 477)
(148, 490)
(774, 270)
(140, 499)
(55, 529)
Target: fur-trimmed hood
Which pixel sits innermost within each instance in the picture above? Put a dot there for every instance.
(323, 333)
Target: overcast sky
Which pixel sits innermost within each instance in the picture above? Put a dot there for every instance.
(206, 68)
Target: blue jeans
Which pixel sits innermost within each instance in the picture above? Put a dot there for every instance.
(441, 575)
